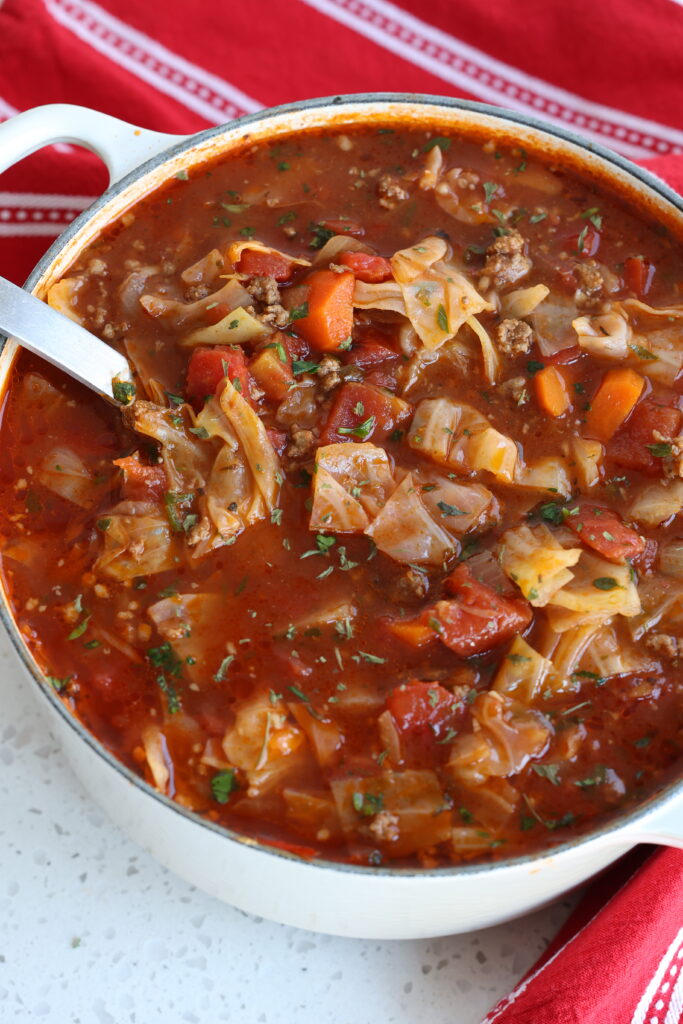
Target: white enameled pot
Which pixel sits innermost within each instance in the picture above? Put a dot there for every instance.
(382, 903)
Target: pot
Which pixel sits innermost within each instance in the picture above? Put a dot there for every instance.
(340, 899)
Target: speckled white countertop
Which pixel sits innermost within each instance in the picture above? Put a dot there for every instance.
(93, 931)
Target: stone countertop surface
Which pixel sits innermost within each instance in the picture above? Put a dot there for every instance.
(94, 931)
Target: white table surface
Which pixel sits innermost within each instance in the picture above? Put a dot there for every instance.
(93, 931)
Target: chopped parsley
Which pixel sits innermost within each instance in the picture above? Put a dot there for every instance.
(606, 583)
(299, 312)
(123, 391)
(223, 784)
(362, 430)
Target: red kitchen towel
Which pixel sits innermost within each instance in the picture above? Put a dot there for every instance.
(610, 71)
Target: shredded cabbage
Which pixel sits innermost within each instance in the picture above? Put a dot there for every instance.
(599, 587)
(549, 474)
(587, 458)
(522, 302)
(137, 542)
(532, 558)
(65, 473)
(608, 336)
(63, 296)
(657, 503)
(522, 672)
(406, 531)
(236, 328)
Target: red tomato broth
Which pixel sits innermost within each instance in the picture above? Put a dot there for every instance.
(613, 739)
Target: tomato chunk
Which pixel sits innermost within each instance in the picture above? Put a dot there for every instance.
(367, 354)
(329, 320)
(141, 483)
(361, 412)
(478, 619)
(603, 530)
(638, 274)
(629, 446)
(418, 706)
(208, 367)
(366, 267)
(265, 264)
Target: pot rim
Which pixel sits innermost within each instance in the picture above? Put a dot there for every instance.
(616, 827)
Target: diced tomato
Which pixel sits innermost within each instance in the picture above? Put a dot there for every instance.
(208, 367)
(278, 439)
(329, 320)
(361, 412)
(214, 314)
(587, 242)
(367, 267)
(601, 529)
(369, 353)
(564, 356)
(265, 264)
(141, 483)
(629, 446)
(638, 274)
(479, 619)
(344, 227)
(296, 348)
(417, 706)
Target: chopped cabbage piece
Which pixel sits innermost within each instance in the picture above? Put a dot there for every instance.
(232, 294)
(552, 322)
(532, 558)
(587, 458)
(657, 503)
(362, 469)
(63, 296)
(458, 507)
(158, 757)
(599, 587)
(65, 473)
(333, 506)
(433, 427)
(186, 459)
(406, 531)
(235, 250)
(567, 654)
(522, 672)
(384, 295)
(522, 302)
(608, 336)
(265, 744)
(236, 328)
(494, 452)
(609, 655)
(188, 623)
(254, 443)
(489, 354)
(206, 270)
(548, 474)
(138, 541)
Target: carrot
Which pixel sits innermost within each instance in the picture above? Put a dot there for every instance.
(329, 310)
(615, 398)
(552, 393)
(272, 374)
(412, 631)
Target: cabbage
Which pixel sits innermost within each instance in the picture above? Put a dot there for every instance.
(335, 246)
(361, 470)
(609, 656)
(643, 308)
(522, 302)
(569, 649)
(549, 474)
(671, 558)
(438, 299)
(206, 270)
(432, 169)
(334, 508)
(599, 587)
(661, 600)
(265, 744)
(608, 336)
(254, 443)
(433, 427)
(493, 803)
(186, 459)
(231, 294)
(188, 623)
(522, 672)
(384, 295)
(657, 503)
(312, 812)
(235, 250)
(455, 355)
(324, 735)
(532, 558)
(475, 504)
(587, 460)
(406, 531)
(412, 802)
(236, 328)
(65, 473)
(132, 287)
(158, 758)
(41, 403)
(138, 541)
(492, 451)
(63, 296)
(509, 736)
(552, 322)
(663, 352)
(489, 354)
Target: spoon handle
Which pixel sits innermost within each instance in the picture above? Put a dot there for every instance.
(62, 342)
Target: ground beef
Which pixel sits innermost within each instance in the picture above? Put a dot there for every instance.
(390, 192)
(303, 443)
(111, 331)
(516, 390)
(274, 315)
(328, 376)
(98, 268)
(463, 179)
(591, 290)
(412, 585)
(514, 337)
(385, 827)
(506, 262)
(196, 292)
(664, 645)
(263, 289)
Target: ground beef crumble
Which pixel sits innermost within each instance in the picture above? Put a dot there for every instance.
(506, 262)
(591, 284)
(390, 192)
(514, 337)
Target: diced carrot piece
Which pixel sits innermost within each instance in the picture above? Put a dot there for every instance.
(412, 631)
(614, 400)
(552, 392)
(329, 321)
(367, 267)
(271, 374)
(601, 529)
(265, 264)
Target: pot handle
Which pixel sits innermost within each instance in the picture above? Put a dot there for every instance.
(122, 146)
(663, 827)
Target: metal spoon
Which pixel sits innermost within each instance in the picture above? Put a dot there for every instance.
(65, 344)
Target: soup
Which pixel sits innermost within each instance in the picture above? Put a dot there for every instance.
(381, 562)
